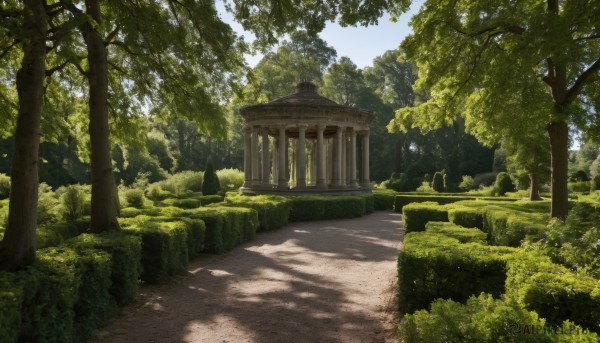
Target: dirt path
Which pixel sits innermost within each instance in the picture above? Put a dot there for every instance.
(326, 281)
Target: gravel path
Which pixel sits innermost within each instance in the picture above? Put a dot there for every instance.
(326, 281)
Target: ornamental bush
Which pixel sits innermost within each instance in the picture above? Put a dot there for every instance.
(416, 215)
(135, 197)
(438, 182)
(4, 186)
(503, 184)
(73, 202)
(210, 184)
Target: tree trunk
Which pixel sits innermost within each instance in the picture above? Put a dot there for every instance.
(559, 144)
(17, 249)
(534, 186)
(104, 207)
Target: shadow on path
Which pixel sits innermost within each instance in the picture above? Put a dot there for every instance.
(325, 281)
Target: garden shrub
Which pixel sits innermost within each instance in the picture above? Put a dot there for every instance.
(554, 292)
(11, 297)
(416, 215)
(183, 182)
(209, 199)
(305, 208)
(4, 186)
(226, 227)
(126, 255)
(438, 182)
(134, 197)
(595, 183)
(73, 202)
(433, 265)
(462, 234)
(503, 184)
(130, 212)
(509, 228)
(164, 249)
(210, 184)
(369, 203)
(273, 211)
(466, 183)
(579, 187)
(230, 179)
(182, 203)
(384, 199)
(403, 199)
(484, 319)
(466, 217)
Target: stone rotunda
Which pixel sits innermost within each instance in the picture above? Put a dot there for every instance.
(305, 143)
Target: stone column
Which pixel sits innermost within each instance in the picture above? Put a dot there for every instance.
(330, 162)
(282, 170)
(366, 183)
(275, 164)
(255, 164)
(313, 163)
(321, 157)
(301, 157)
(352, 171)
(337, 158)
(247, 156)
(344, 178)
(266, 161)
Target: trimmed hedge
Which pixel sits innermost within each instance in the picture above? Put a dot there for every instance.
(433, 265)
(462, 234)
(182, 203)
(308, 208)
(484, 319)
(384, 199)
(416, 215)
(554, 292)
(226, 227)
(273, 211)
(126, 255)
(401, 200)
(164, 249)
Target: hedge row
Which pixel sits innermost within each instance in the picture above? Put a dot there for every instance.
(451, 262)
(70, 290)
(503, 224)
(273, 211)
(308, 208)
(483, 319)
(401, 200)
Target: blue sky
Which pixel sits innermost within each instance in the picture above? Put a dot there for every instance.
(360, 44)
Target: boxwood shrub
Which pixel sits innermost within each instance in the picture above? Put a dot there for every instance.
(384, 199)
(483, 319)
(273, 211)
(306, 208)
(554, 292)
(416, 215)
(462, 234)
(126, 255)
(433, 265)
(401, 200)
(164, 249)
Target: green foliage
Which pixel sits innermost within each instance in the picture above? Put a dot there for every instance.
(164, 249)
(182, 203)
(433, 265)
(483, 319)
(554, 292)
(595, 183)
(384, 199)
(11, 297)
(425, 187)
(273, 211)
(306, 208)
(416, 215)
(575, 242)
(503, 184)
(400, 182)
(466, 216)
(73, 202)
(438, 184)
(402, 200)
(4, 186)
(210, 184)
(48, 206)
(125, 251)
(135, 197)
(183, 182)
(466, 183)
(579, 187)
(462, 234)
(579, 175)
(230, 179)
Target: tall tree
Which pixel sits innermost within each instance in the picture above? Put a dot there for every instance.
(474, 57)
(17, 248)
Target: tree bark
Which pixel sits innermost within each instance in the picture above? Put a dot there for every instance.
(104, 207)
(17, 248)
(534, 187)
(559, 144)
